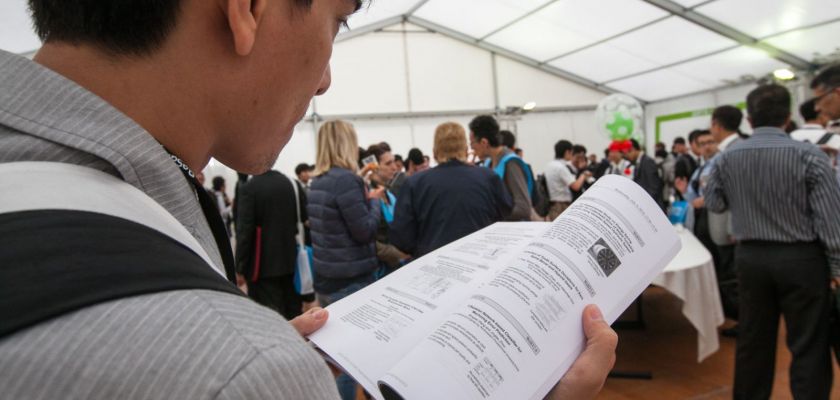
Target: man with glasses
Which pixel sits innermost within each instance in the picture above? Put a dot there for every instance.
(693, 191)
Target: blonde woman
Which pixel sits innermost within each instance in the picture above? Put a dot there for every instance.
(449, 201)
(344, 218)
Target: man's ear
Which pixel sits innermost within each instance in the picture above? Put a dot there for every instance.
(243, 19)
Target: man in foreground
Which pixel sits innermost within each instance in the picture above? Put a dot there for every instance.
(148, 92)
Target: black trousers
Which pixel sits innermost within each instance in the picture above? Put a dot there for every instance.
(727, 276)
(277, 293)
(790, 280)
(701, 230)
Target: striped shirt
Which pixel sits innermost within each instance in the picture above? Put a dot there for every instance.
(778, 190)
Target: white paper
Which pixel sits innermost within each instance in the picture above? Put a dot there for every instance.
(369, 332)
(512, 328)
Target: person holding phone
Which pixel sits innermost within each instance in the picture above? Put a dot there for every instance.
(344, 217)
(389, 256)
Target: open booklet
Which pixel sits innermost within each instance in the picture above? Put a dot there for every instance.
(497, 314)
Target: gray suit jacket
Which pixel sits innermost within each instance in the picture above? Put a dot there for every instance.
(183, 344)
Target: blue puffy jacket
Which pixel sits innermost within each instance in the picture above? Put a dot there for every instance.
(343, 225)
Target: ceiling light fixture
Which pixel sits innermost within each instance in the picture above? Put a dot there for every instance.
(784, 74)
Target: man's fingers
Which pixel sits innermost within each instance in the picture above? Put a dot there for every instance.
(586, 376)
(601, 340)
(310, 321)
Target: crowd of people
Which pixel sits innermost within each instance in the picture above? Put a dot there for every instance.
(117, 264)
(368, 215)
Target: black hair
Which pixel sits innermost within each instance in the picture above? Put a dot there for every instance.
(692, 137)
(486, 127)
(302, 167)
(508, 139)
(561, 147)
(398, 157)
(635, 144)
(729, 117)
(218, 182)
(415, 156)
(578, 148)
(808, 110)
(678, 140)
(377, 150)
(828, 77)
(768, 105)
(119, 27)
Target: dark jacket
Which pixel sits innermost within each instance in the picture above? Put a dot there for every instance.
(267, 202)
(684, 166)
(343, 225)
(446, 203)
(647, 176)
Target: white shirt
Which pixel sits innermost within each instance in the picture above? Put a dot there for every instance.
(619, 168)
(726, 142)
(558, 178)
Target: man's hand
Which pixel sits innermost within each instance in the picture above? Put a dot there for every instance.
(378, 193)
(832, 152)
(310, 321)
(368, 168)
(240, 282)
(835, 283)
(308, 306)
(698, 203)
(681, 184)
(586, 377)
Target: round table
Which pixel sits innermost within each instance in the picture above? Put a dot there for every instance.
(691, 277)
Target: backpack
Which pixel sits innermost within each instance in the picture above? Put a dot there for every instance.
(500, 171)
(541, 198)
(75, 237)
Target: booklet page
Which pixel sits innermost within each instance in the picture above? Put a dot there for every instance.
(515, 337)
(371, 330)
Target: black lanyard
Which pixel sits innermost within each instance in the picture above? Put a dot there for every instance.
(214, 219)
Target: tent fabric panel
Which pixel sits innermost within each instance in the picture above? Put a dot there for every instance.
(358, 62)
(519, 84)
(724, 68)
(462, 74)
(603, 62)
(671, 40)
(568, 25)
(476, 18)
(810, 44)
(658, 85)
(770, 17)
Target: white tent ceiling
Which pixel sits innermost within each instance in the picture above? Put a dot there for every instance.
(653, 49)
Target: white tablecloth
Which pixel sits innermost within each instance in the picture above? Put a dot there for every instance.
(691, 277)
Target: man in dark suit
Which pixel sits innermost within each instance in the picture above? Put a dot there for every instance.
(688, 161)
(645, 172)
(265, 241)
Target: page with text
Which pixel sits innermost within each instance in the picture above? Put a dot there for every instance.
(516, 335)
(371, 330)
